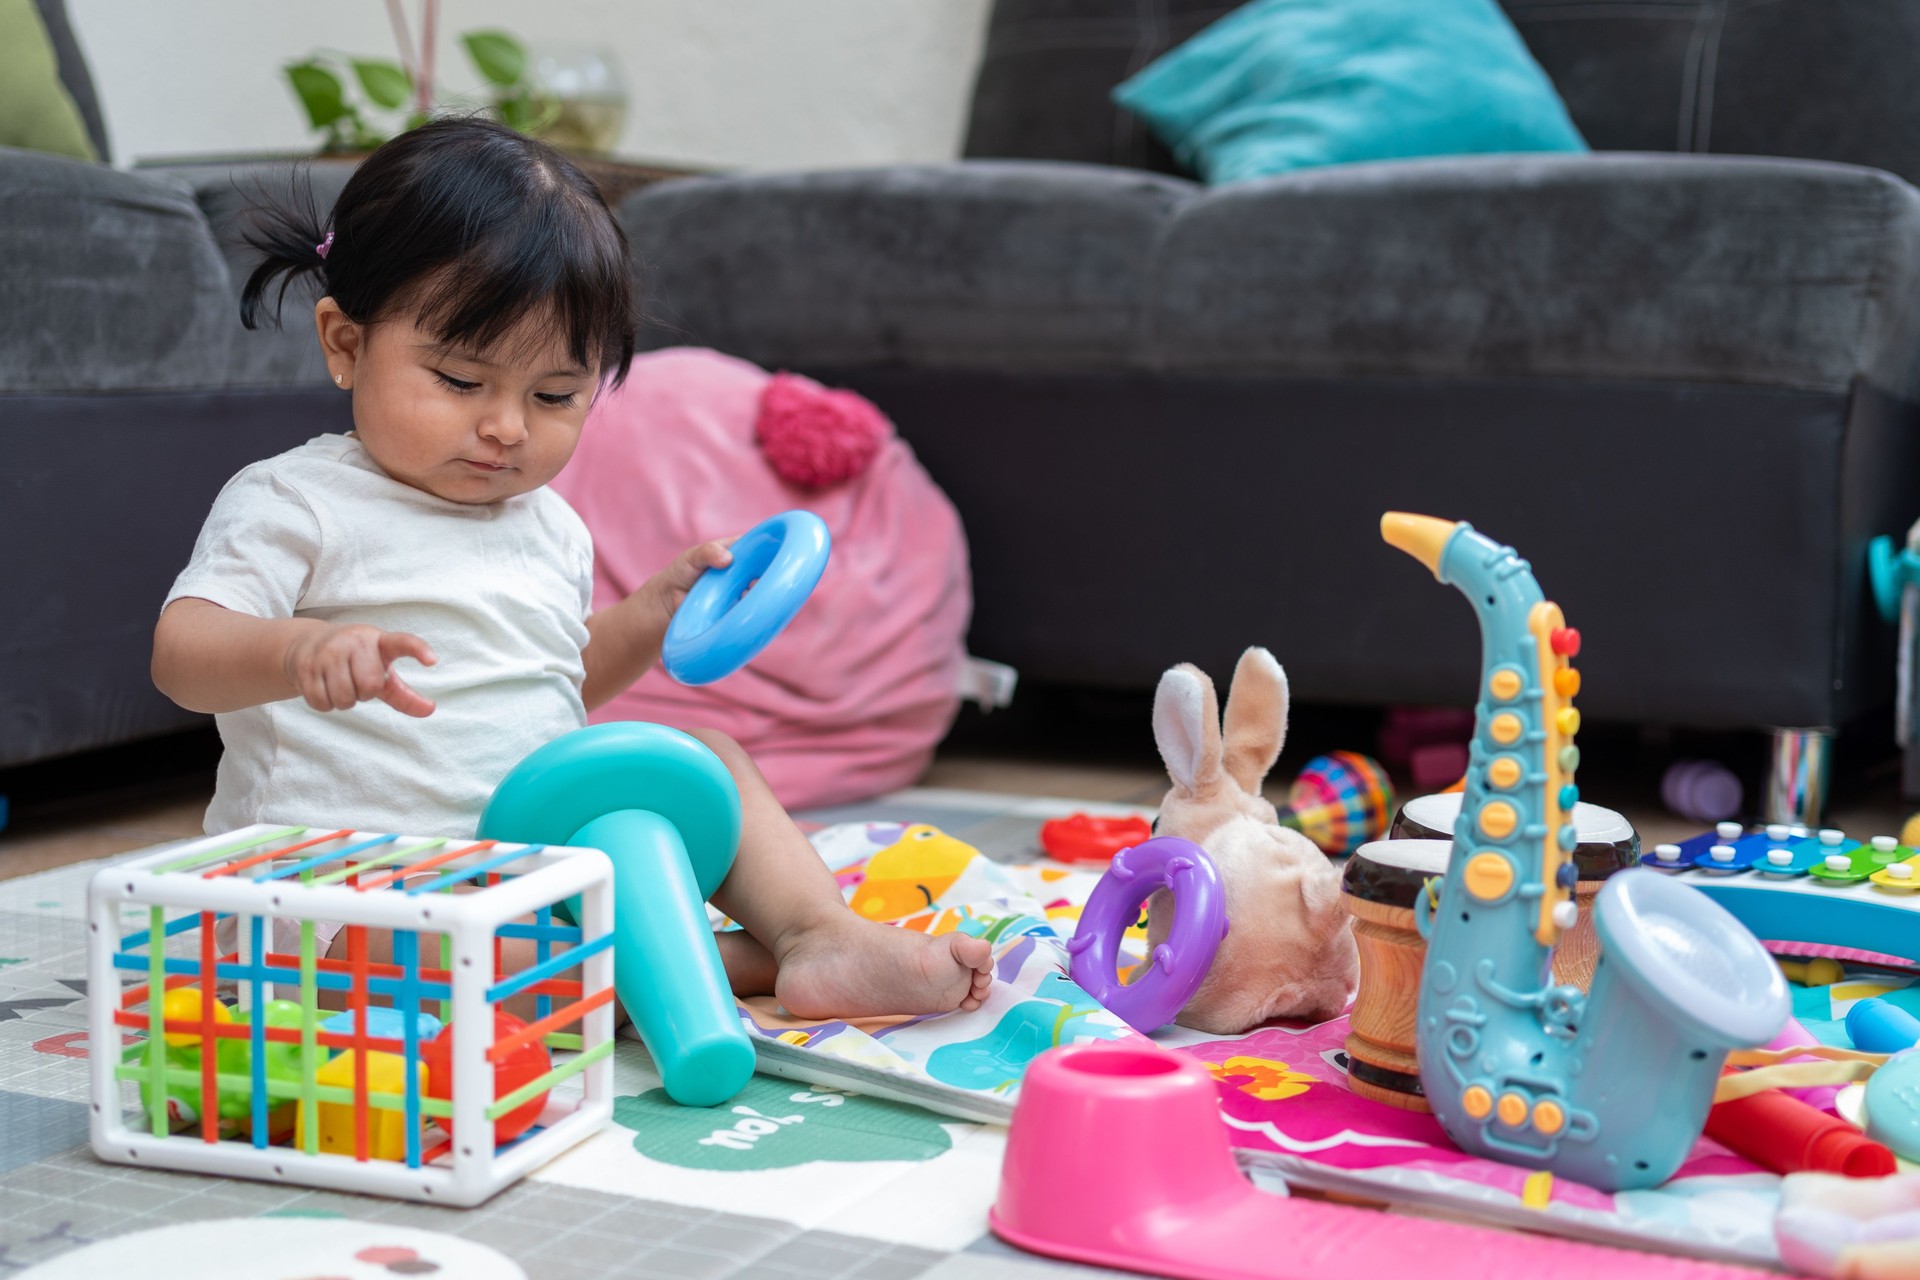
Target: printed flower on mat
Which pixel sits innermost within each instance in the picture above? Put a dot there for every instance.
(1262, 1078)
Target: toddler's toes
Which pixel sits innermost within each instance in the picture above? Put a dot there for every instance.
(975, 955)
(977, 994)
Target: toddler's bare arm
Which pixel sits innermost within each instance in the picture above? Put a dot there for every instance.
(624, 639)
(213, 659)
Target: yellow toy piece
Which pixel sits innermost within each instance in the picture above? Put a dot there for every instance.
(386, 1129)
(183, 1005)
(1910, 833)
(909, 875)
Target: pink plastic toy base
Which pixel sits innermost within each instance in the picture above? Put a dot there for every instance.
(1182, 1208)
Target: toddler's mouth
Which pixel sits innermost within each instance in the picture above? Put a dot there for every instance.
(488, 467)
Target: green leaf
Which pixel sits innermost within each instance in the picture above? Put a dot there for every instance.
(386, 83)
(319, 91)
(498, 57)
(516, 111)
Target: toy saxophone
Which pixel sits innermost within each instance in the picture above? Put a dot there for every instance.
(1609, 1088)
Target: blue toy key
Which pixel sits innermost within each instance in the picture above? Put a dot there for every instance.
(1881, 1026)
(733, 613)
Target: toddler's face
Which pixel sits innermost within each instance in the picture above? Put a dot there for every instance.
(457, 424)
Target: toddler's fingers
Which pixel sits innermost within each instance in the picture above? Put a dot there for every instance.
(404, 698)
(314, 689)
(337, 675)
(369, 676)
(395, 645)
(715, 555)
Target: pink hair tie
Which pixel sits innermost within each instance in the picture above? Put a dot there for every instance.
(325, 246)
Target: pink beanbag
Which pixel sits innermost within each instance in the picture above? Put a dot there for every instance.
(853, 696)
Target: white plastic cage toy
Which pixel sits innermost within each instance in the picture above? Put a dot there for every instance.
(414, 1084)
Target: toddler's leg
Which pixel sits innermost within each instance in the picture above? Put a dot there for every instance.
(826, 961)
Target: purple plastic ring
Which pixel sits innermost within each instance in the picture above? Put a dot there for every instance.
(1177, 966)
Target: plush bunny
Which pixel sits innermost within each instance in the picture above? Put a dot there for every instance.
(1289, 949)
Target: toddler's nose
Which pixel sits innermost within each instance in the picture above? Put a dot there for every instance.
(506, 427)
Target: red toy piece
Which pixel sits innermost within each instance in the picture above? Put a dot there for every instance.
(526, 1063)
(1082, 837)
(1781, 1133)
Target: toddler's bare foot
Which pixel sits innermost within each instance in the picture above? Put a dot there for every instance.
(856, 968)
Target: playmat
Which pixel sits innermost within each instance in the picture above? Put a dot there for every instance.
(823, 1167)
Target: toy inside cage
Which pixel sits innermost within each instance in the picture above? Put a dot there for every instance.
(351, 986)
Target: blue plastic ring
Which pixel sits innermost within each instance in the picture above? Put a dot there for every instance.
(722, 624)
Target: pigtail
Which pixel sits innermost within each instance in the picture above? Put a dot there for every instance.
(289, 234)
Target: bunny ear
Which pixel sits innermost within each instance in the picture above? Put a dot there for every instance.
(1256, 718)
(1186, 726)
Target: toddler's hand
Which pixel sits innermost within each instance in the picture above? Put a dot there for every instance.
(674, 581)
(337, 666)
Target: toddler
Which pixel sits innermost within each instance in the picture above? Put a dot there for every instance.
(477, 295)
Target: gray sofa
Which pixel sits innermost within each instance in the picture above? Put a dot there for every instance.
(1683, 382)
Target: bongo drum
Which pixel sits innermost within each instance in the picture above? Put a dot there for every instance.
(1608, 843)
(1382, 883)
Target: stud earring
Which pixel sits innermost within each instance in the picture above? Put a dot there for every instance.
(339, 380)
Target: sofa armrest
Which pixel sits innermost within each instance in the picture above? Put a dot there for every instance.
(111, 281)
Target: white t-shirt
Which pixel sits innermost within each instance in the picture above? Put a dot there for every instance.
(500, 592)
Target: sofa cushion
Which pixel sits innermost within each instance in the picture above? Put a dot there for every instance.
(1767, 272)
(1810, 78)
(111, 279)
(1048, 66)
(1774, 272)
(993, 264)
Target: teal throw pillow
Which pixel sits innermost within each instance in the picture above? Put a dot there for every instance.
(1278, 85)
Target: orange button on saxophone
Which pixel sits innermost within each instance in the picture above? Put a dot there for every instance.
(1489, 876)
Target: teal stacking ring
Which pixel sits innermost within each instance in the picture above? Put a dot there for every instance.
(733, 613)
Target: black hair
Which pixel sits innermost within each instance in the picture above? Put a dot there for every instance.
(471, 226)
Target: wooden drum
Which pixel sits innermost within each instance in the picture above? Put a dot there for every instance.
(1382, 882)
(1608, 844)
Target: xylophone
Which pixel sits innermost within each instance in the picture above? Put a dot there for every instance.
(1790, 884)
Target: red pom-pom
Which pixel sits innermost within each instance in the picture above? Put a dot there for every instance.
(814, 437)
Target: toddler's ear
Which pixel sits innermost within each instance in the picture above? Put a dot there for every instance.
(1186, 726)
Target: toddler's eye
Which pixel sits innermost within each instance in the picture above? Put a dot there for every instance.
(556, 400)
(453, 382)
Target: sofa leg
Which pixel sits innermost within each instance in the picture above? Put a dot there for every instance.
(1797, 776)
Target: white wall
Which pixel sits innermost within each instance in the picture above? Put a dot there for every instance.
(763, 84)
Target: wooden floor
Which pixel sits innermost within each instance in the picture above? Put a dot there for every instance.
(131, 816)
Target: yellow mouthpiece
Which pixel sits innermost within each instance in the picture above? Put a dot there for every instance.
(1422, 537)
